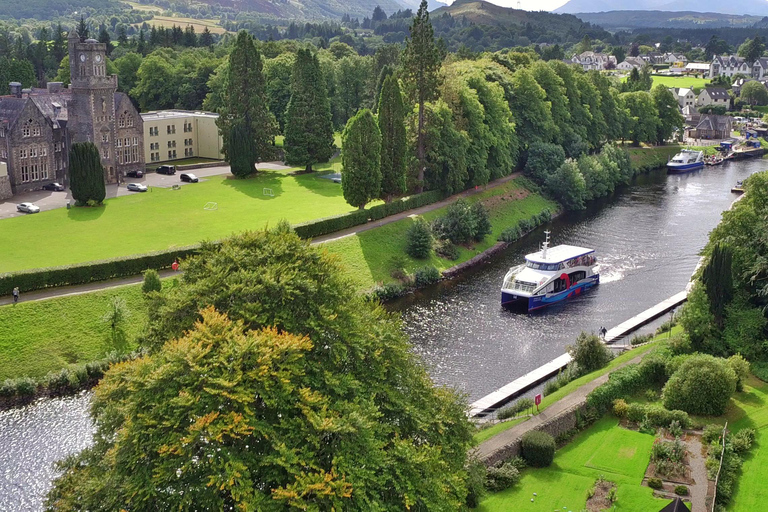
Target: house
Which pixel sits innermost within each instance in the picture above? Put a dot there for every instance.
(594, 61)
(653, 58)
(37, 126)
(167, 132)
(631, 63)
(713, 96)
(696, 68)
(685, 97)
(671, 58)
(691, 115)
(729, 65)
(713, 127)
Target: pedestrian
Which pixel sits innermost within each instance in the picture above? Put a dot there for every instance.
(15, 294)
(603, 332)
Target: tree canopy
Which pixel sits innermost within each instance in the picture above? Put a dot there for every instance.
(361, 159)
(86, 173)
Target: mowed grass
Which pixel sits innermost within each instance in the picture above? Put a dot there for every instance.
(688, 82)
(43, 336)
(604, 449)
(164, 218)
(200, 25)
(370, 256)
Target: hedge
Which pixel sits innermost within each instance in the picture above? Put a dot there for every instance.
(538, 448)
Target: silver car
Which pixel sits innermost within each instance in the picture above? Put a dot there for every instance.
(137, 187)
(28, 208)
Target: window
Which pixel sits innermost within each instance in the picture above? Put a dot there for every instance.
(126, 120)
(3, 153)
(2, 133)
(187, 126)
(105, 155)
(135, 141)
(43, 151)
(127, 142)
(169, 155)
(32, 152)
(104, 137)
(30, 129)
(135, 154)
(153, 131)
(24, 173)
(23, 153)
(35, 172)
(44, 171)
(171, 128)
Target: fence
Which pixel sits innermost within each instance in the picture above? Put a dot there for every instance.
(720, 467)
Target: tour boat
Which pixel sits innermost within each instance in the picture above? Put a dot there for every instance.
(686, 160)
(550, 275)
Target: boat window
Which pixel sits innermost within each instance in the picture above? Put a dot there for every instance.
(577, 276)
(524, 286)
(559, 285)
(543, 266)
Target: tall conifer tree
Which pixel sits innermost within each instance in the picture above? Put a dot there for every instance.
(308, 124)
(393, 141)
(360, 151)
(86, 173)
(245, 115)
(421, 64)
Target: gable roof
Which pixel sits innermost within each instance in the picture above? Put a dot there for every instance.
(675, 506)
(716, 93)
(714, 123)
(10, 108)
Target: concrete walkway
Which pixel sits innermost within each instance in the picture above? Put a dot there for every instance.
(50, 293)
(567, 403)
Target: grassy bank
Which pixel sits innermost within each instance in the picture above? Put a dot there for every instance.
(370, 257)
(652, 157)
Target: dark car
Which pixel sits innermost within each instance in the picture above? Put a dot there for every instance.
(56, 187)
(135, 174)
(166, 169)
(188, 177)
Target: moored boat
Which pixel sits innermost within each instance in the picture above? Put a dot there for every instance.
(550, 275)
(738, 188)
(686, 160)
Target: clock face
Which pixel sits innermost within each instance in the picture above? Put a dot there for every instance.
(98, 58)
(82, 57)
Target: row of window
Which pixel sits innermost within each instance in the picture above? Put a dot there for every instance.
(33, 152)
(155, 157)
(127, 156)
(34, 172)
(127, 142)
(30, 129)
(125, 120)
(170, 129)
(187, 142)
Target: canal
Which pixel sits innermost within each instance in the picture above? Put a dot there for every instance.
(647, 236)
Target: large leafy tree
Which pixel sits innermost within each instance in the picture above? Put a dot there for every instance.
(530, 109)
(717, 277)
(642, 117)
(247, 126)
(361, 159)
(421, 65)
(86, 173)
(555, 91)
(271, 386)
(393, 139)
(752, 49)
(754, 93)
(308, 123)
(278, 72)
(447, 146)
(670, 118)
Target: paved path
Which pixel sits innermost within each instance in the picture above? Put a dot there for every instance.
(63, 291)
(499, 441)
(699, 489)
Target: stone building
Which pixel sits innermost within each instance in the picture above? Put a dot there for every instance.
(37, 126)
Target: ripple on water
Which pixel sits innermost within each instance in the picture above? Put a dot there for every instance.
(32, 439)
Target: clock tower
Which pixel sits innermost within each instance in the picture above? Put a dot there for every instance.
(92, 107)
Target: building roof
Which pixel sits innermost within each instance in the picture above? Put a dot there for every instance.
(176, 114)
(675, 506)
(10, 108)
(702, 66)
(714, 123)
(559, 253)
(717, 93)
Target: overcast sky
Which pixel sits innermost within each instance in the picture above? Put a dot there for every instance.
(531, 5)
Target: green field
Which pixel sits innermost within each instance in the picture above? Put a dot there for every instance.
(164, 218)
(688, 82)
(370, 256)
(604, 449)
(44, 336)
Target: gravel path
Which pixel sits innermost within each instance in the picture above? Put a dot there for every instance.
(699, 474)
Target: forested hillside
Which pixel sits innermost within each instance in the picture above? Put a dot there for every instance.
(628, 20)
(49, 9)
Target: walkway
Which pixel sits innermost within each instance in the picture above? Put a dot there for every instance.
(50, 293)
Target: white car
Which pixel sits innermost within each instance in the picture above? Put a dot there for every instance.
(137, 187)
(28, 208)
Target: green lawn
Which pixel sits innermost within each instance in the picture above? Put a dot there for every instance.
(750, 409)
(164, 218)
(370, 256)
(681, 81)
(44, 336)
(604, 449)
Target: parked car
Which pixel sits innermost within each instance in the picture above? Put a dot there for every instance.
(188, 177)
(135, 174)
(137, 187)
(56, 187)
(166, 169)
(27, 208)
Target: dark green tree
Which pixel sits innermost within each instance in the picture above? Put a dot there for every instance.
(717, 277)
(82, 30)
(752, 49)
(419, 240)
(619, 52)
(361, 159)
(86, 174)
(393, 139)
(670, 118)
(206, 38)
(447, 146)
(386, 71)
(104, 38)
(754, 93)
(308, 123)
(247, 126)
(59, 45)
(421, 65)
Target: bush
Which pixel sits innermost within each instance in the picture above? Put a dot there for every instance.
(742, 440)
(740, 367)
(675, 428)
(501, 478)
(426, 275)
(760, 369)
(589, 353)
(419, 239)
(636, 412)
(482, 221)
(476, 474)
(639, 339)
(620, 408)
(513, 410)
(702, 385)
(151, 281)
(680, 344)
(389, 291)
(712, 432)
(655, 416)
(331, 224)
(543, 160)
(446, 249)
(655, 483)
(681, 490)
(511, 234)
(651, 395)
(463, 223)
(563, 377)
(538, 448)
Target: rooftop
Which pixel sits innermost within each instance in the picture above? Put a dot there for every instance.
(559, 253)
(176, 114)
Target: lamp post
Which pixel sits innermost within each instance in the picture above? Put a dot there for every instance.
(671, 319)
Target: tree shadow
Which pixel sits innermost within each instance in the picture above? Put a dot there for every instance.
(86, 213)
(265, 185)
(315, 183)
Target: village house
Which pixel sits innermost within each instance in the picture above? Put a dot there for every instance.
(729, 65)
(631, 63)
(713, 127)
(716, 96)
(594, 61)
(685, 97)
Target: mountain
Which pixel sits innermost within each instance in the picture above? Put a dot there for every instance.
(756, 7)
(414, 4)
(480, 12)
(629, 20)
(310, 9)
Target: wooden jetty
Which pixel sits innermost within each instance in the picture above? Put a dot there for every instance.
(505, 394)
(740, 153)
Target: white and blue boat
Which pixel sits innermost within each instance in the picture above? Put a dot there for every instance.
(686, 160)
(550, 275)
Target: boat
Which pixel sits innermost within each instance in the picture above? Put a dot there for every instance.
(550, 275)
(738, 188)
(686, 160)
(713, 160)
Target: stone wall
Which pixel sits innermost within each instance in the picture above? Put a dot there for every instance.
(5, 187)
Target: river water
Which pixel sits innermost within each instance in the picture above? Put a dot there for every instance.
(647, 237)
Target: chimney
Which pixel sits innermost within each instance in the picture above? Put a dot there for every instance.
(15, 89)
(55, 87)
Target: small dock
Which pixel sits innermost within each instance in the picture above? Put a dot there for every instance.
(517, 387)
(739, 154)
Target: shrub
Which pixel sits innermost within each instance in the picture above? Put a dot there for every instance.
(476, 475)
(589, 353)
(702, 385)
(446, 249)
(481, 220)
(151, 281)
(639, 339)
(680, 344)
(388, 291)
(426, 275)
(511, 234)
(712, 432)
(742, 440)
(760, 369)
(419, 239)
(740, 367)
(636, 412)
(620, 408)
(515, 409)
(681, 490)
(538, 448)
(504, 477)
(457, 225)
(543, 160)
(675, 428)
(655, 483)
(563, 377)
(651, 395)
(518, 463)
(331, 224)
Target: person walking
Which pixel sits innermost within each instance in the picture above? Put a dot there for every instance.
(15, 294)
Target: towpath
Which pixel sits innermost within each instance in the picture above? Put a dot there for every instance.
(63, 291)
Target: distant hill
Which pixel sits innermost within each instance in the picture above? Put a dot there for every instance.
(310, 9)
(48, 9)
(628, 20)
(480, 12)
(755, 7)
